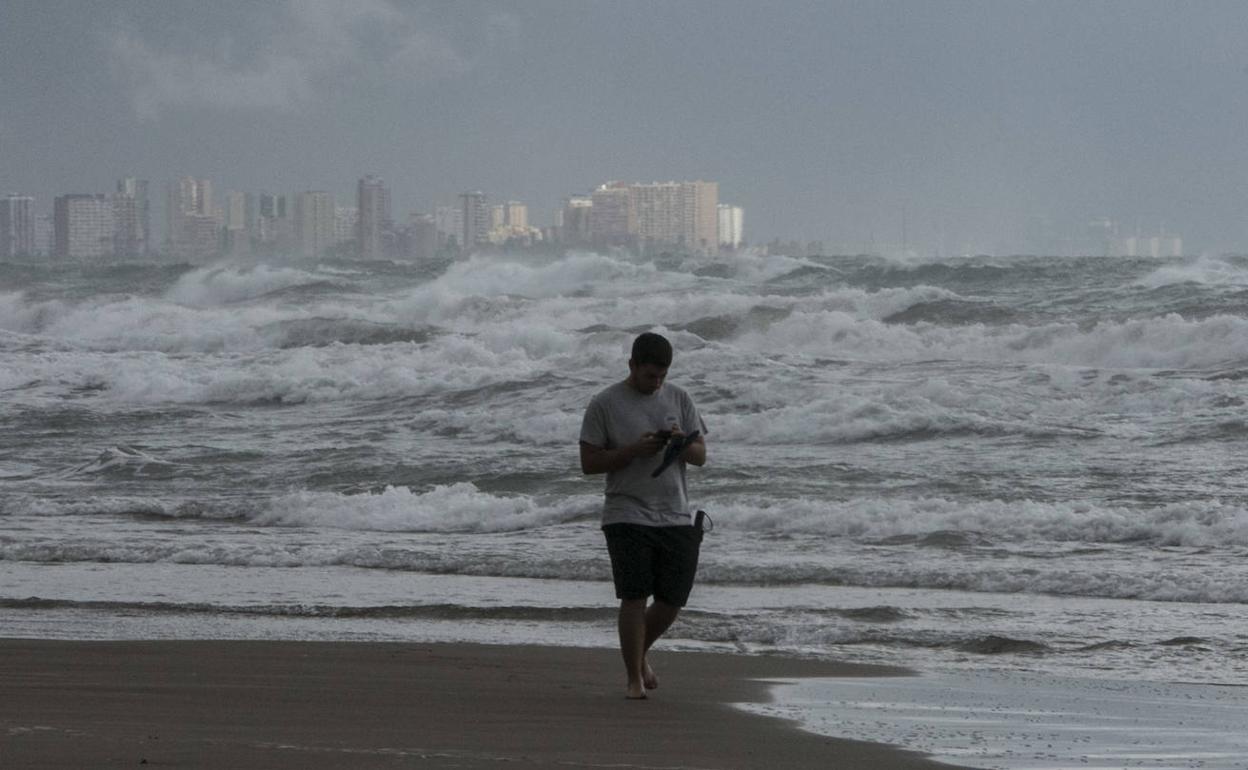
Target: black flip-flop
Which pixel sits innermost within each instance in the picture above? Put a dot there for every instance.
(674, 448)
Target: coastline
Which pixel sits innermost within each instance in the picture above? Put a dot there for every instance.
(212, 703)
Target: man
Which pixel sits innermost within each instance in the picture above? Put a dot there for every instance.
(651, 538)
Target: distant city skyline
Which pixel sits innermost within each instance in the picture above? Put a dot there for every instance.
(200, 226)
(947, 128)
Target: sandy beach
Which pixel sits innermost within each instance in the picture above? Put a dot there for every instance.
(332, 705)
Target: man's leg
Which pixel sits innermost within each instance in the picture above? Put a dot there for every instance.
(676, 564)
(633, 635)
(659, 618)
(640, 627)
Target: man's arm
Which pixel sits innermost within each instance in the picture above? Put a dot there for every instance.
(595, 459)
(695, 453)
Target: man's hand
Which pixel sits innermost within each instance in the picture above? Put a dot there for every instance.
(649, 444)
(598, 460)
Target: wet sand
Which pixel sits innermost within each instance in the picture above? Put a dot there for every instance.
(279, 704)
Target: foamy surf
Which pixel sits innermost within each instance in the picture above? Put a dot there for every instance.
(961, 463)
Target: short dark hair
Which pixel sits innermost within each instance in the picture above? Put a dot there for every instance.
(651, 348)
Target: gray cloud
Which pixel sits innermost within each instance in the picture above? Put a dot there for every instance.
(319, 43)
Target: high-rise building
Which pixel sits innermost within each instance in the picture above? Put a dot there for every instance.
(237, 224)
(731, 226)
(127, 232)
(420, 239)
(201, 238)
(272, 206)
(373, 200)
(575, 228)
(681, 214)
(449, 221)
(83, 226)
(612, 218)
(346, 227)
(476, 213)
(274, 232)
(661, 214)
(45, 235)
(135, 233)
(17, 226)
(314, 223)
(191, 220)
(515, 214)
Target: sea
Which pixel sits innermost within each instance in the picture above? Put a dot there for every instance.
(1024, 478)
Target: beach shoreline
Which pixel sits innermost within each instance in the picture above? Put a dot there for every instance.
(216, 703)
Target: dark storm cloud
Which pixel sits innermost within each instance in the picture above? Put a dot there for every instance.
(975, 125)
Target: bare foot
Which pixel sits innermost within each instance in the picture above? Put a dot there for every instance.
(635, 692)
(649, 678)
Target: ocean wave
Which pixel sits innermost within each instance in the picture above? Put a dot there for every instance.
(322, 331)
(124, 460)
(228, 284)
(1204, 270)
(1056, 577)
(454, 508)
(1166, 342)
(459, 507)
(104, 505)
(936, 408)
(894, 325)
(434, 612)
(298, 375)
(923, 522)
(1195, 524)
(954, 312)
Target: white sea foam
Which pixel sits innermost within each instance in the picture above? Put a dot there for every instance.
(1170, 342)
(457, 507)
(1205, 270)
(463, 507)
(1195, 524)
(225, 284)
(22, 315)
(541, 307)
(121, 457)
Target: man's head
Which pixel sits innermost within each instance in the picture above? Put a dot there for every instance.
(647, 367)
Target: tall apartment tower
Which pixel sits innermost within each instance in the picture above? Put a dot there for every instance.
(45, 235)
(476, 213)
(449, 222)
(612, 218)
(705, 205)
(274, 231)
(134, 231)
(731, 226)
(575, 226)
(127, 236)
(347, 227)
(83, 227)
(192, 228)
(314, 223)
(421, 237)
(17, 226)
(516, 214)
(684, 215)
(373, 201)
(237, 223)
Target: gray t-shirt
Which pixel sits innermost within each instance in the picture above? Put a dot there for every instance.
(617, 417)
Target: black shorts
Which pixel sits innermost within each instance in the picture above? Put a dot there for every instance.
(653, 560)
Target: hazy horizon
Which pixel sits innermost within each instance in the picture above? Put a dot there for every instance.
(954, 127)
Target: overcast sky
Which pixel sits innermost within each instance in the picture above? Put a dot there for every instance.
(971, 122)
